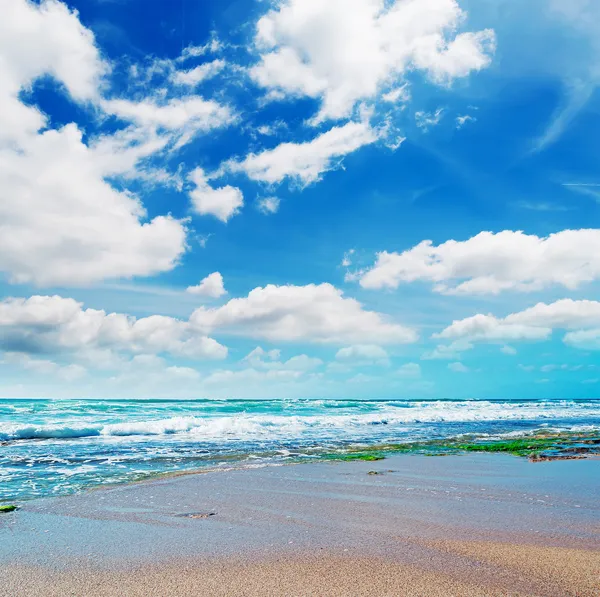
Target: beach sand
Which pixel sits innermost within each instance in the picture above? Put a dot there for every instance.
(454, 525)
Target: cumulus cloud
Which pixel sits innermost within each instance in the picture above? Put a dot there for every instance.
(490, 263)
(305, 162)
(64, 220)
(312, 313)
(346, 51)
(61, 222)
(562, 314)
(584, 339)
(44, 367)
(269, 359)
(259, 355)
(447, 352)
(458, 367)
(222, 202)
(580, 317)
(409, 371)
(53, 324)
(182, 372)
(488, 327)
(212, 286)
(36, 40)
(362, 355)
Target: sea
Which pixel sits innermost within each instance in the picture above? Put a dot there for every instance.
(57, 447)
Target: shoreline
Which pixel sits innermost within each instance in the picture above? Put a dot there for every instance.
(420, 522)
(536, 446)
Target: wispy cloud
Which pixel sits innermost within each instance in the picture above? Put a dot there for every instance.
(577, 96)
(541, 206)
(590, 189)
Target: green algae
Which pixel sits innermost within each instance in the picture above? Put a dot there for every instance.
(538, 446)
(8, 508)
(518, 447)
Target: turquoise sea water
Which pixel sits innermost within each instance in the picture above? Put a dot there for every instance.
(53, 447)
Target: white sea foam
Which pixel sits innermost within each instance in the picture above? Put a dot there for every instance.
(254, 426)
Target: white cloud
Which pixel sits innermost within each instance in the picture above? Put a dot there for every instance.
(548, 368)
(270, 360)
(581, 317)
(36, 40)
(53, 324)
(398, 94)
(527, 368)
(61, 222)
(258, 356)
(409, 371)
(302, 362)
(490, 263)
(211, 286)
(223, 202)
(268, 205)
(183, 372)
(462, 120)
(542, 206)
(458, 367)
(362, 355)
(361, 378)
(191, 51)
(305, 162)
(225, 377)
(425, 120)
(313, 313)
(509, 350)
(46, 367)
(448, 352)
(71, 373)
(347, 258)
(188, 114)
(198, 74)
(562, 314)
(489, 328)
(345, 51)
(584, 339)
(151, 376)
(277, 127)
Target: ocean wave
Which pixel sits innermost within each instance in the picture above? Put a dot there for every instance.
(249, 426)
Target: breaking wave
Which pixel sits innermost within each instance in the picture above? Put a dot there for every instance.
(255, 426)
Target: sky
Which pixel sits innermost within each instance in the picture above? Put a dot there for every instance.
(297, 198)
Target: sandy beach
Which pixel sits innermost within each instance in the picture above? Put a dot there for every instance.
(406, 525)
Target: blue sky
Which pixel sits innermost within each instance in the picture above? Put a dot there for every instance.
(253, 199)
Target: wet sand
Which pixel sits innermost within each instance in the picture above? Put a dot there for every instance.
(455, 525)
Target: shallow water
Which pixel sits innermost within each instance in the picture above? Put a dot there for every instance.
(53, 447)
